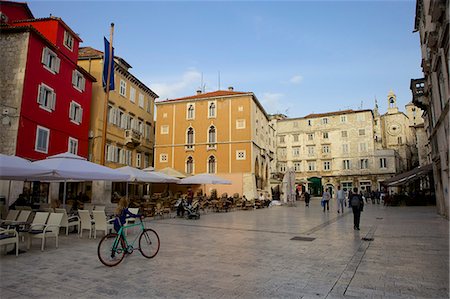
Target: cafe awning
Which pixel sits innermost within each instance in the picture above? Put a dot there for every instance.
(409, 176)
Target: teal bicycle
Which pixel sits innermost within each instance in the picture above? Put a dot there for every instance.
(113, 247)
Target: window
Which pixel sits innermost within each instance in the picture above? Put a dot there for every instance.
(68, 40)
(362, 147)
(362, 132)
(190, 138)
(364, 163)
(190, 165)
(141, 100)
(78, 80)
(50, 60)
(240, 155)
(164, 129)
(75, 112)
(132, 94)
(344, 134)
(149, 105)
(311, 150)
(212, 137)
(212, 164)
(399, 139)
(282, 152)
(326, 165)
(123, 88)
(309, 122)
(295, 137)
(311, 136)
(240, 124)
(138, 160)
(73, 146)
(383, 163)
(325, 135)
(241, 108)
(212, 109)
(163, 158)
(148, 130)
(146, 160)
(311, 166)
(190, 111)
(46, 98)
(295, 124)
(296, 151)
(324, 120)
(326, 149)
(343, 118)
(346, 186)
(42, 137)
(282, 139)
(112, 153)
(360, 117)
(297, 166)
(345, 148)
(346, 164)
(282, 167)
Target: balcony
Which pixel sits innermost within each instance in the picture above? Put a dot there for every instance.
(419, 94)
(132, 138)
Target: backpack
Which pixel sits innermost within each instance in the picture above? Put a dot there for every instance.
(355, 201)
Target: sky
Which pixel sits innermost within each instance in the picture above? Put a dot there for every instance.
(297, 57)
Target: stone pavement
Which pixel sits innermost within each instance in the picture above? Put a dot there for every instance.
(251, 254)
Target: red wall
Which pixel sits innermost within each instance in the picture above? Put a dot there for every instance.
(58, 121)
(15, 11)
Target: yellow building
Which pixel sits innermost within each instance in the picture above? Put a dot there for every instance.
(225, 132)
(130, 128)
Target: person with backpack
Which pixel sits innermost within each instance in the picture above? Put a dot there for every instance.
(357, 203)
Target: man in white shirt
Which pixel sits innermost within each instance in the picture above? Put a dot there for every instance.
(340, 199)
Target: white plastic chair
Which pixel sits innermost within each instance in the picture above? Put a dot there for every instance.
(101, 223)
(51, 229)
(99, 208)
(9, 236)
(12, 216)
(39, 221)
(67, 221)
(85, 222)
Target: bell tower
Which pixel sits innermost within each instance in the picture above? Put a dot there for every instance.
(392, 103)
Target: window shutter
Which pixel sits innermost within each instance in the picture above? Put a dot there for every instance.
(72, 111)
(74, 78)
(41, 95)
(57, 63)
(80, 115)
(53, 101)
(83, 83)
(44, 55)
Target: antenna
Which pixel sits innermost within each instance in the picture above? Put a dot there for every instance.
(218, 78)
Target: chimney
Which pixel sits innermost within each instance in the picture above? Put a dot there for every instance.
(230, 88)
(199, 91)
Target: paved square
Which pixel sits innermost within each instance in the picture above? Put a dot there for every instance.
(251, 254)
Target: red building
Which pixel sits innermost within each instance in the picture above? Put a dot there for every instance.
(43, 90)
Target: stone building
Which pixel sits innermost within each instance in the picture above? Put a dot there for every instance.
(431, 93)
(350, 148)
(224, 132)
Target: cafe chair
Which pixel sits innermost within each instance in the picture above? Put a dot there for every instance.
(86, 222)
(51, 229)
(39, 221)
(12, 216)
(9, 236)
(67, 221)
(101, 223)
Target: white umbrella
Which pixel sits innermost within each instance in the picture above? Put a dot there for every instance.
(289, 186)
(137, 175)
(204, 178)
(19, 169)
(168, 178)
(67, 166)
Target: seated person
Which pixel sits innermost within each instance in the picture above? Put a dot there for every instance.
(123, 213)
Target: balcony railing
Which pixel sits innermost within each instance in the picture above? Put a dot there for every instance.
(132, 137)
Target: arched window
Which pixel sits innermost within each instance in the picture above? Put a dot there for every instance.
(190, 165)
(212, 110)
(212, 137)
(191, 111)
(190, 138)
(212, 164)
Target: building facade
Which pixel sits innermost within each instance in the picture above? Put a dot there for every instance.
(223, 132)
(130, 119)
(432, 93)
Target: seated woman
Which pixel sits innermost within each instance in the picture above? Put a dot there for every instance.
(123, 213)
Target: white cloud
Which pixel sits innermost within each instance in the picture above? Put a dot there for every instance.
(272, 102)
(296, 79)
(180, 87)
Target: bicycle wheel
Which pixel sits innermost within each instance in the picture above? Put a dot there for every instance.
(149, 243)
(111, 252)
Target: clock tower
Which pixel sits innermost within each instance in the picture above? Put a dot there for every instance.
(392, 103)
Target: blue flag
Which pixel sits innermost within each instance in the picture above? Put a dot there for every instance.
(108, 64)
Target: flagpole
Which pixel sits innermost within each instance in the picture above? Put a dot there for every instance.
(105, 107)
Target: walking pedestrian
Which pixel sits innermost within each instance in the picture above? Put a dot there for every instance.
(357, 204)
(307, 198)
(326, 196)
(340, 195)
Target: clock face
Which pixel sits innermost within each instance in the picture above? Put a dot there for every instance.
(394, 129)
